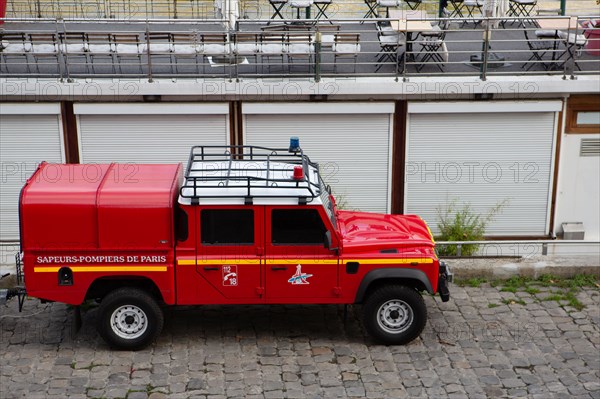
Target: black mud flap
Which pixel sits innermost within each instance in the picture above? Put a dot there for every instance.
(445, 277)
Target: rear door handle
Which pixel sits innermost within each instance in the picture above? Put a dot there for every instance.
(211, 268)
(278, 267)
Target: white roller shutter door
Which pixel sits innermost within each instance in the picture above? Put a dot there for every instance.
(151, 133)
(350, 141)
(29, 134)
(482, 159)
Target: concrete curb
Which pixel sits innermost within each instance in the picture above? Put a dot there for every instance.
(503, 268)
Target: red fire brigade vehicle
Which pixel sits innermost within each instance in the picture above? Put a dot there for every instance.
(245, 225)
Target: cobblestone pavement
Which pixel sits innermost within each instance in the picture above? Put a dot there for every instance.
(468, 349)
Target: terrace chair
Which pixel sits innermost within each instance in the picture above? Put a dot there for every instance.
(100, 44)
(186, 45)
(549, 35)
(470, 6)
(300, 47)
(433, 47)
(538, 49)
(214, 46)
(274, 28)
(346, 45)
(299, 26)
(298, 4)
(159, 45)
(413, 4)
(372, 10)
(72, 45)
(574, 44)
(522, 8)
(385, 28)
(44, 45)
(387, 4)
(277, 6)
(328, 33)
(246, 45)
(322, 6)
(457, 9)
(128, 46)
(272, 44)
(13, 44)
(388, 52)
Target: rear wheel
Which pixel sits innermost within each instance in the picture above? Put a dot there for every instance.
(395, 314)
(129, 318)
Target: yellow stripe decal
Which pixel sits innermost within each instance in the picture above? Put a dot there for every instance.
(104, 269)
(228, 262)
(304, 261)
(397, 261)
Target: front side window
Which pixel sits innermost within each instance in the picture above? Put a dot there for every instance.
(297, 227)
(227, 226)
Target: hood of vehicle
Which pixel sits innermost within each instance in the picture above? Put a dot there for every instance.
(374, 231)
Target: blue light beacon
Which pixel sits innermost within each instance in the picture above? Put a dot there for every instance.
(294, 144)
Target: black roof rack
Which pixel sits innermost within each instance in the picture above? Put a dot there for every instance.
(248, 170)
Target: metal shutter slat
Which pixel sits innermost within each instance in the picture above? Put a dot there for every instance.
(148, 138)
(25, 141)
(494, 141)
(352, 150)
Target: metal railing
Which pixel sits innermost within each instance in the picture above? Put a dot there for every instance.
(520, 248)
(70, 49)
(198, 9)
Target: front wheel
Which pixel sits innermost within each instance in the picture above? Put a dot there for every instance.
(129, 318)
(395, 314)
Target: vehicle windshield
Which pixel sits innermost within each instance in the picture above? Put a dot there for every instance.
(325, 193)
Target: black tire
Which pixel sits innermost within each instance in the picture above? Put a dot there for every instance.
(129, 319)
(395, 314)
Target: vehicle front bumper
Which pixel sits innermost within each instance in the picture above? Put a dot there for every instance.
(445, 277)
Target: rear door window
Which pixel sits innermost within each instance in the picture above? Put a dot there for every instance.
(227, 226)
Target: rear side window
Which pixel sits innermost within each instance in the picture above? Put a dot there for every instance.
(181, 225)
(297, 227)
(227, 226)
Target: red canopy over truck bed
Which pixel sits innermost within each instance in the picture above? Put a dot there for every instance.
(110, 206)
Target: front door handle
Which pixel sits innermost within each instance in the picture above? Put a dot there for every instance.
(211, 268)
(278, 267)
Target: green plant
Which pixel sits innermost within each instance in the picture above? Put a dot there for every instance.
(548, 279)
(492, 305)
(573, 301)
(568, 296)
(583, 280)
(475, 282)
(463, 224)
(565, 294)
(341, 202)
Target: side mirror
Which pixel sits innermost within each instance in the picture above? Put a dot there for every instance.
(327, 239)
(327, 242)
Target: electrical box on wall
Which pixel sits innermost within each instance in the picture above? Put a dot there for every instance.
(573, 231)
